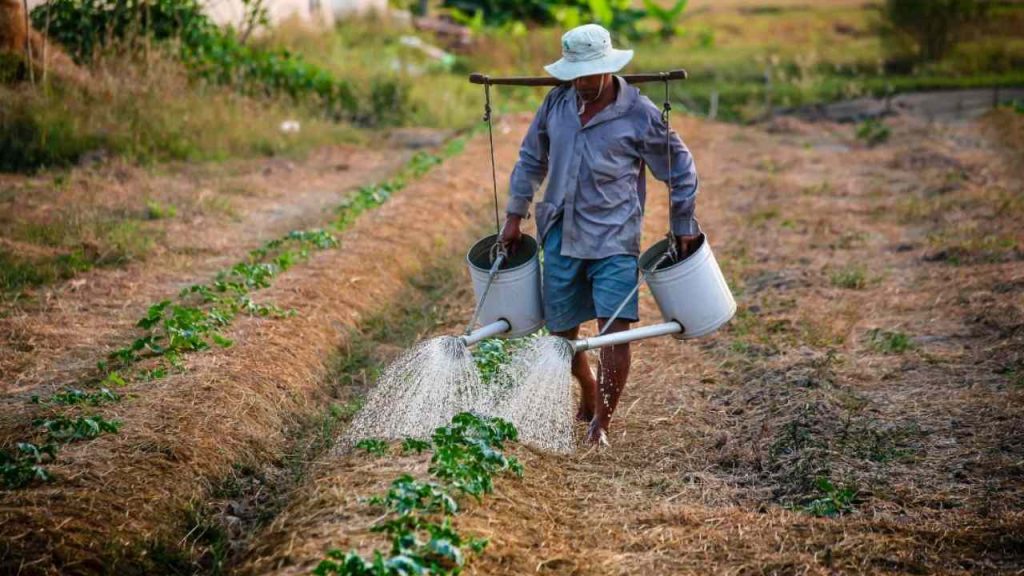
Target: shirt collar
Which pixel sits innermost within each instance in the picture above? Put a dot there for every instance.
(623, 101)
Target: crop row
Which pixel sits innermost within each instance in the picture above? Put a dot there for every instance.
(193, 322)
(417, 514)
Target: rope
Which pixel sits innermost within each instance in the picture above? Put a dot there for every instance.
(665, 110)
(494, 170)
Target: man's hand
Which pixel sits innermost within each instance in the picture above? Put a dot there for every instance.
(686, 245)
(510, 234)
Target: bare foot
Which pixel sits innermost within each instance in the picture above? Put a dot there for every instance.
(597, 435)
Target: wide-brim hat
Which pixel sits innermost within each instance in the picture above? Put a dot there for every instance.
(587, 50)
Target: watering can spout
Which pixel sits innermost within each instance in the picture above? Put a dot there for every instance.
(489, 331)
(616, 338)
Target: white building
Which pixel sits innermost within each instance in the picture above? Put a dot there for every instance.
(324, 12)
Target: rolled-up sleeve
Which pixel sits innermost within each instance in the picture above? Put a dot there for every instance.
(532, 166)
(683, 180)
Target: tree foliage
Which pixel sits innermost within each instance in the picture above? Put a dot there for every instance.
(933, 26)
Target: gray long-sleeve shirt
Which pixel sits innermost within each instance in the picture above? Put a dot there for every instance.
(594, 172)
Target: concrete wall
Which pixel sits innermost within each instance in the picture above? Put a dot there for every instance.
(231, 12)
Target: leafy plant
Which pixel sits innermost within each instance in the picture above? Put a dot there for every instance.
(64, 429)
(73, 396)
(666, 17)
(834, 501)
(415, 445)
(374, 446)
(25, 464)
(617, 15)
(466, 455)
(490, 355)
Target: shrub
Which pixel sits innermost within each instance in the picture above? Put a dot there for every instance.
(86, 26)
(617, 15)
(932, 26)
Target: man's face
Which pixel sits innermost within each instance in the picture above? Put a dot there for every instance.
(588, 87)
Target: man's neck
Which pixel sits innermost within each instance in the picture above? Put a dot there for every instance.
(608, 95)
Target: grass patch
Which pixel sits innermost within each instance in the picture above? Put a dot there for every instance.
(149, 111)
(889, 342)
(851, 277)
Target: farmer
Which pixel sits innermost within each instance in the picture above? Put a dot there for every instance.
(592, 138)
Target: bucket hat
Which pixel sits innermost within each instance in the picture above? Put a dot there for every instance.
(587, 50)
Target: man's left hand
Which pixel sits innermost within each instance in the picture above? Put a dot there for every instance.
(686, 245)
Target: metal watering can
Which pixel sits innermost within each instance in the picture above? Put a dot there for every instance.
(507, 290)
(691, 293)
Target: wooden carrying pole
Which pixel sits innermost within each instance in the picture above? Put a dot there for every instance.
(486, 80)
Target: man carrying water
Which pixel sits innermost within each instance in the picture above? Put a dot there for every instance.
(592, 138)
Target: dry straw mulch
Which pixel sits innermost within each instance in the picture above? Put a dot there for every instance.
(124, 496)
(834, 249)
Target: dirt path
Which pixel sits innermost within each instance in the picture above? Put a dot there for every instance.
(874, 369)
(126, 501)
(225, 212)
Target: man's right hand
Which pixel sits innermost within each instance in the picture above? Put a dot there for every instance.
(510, 233)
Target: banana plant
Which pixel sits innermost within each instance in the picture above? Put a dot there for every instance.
(667, 17)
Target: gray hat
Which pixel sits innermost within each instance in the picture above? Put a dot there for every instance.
(587, 50)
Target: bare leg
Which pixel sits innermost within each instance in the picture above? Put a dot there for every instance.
(588, 384)
(614, 372)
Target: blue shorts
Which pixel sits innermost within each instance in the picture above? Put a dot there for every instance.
(578, 290)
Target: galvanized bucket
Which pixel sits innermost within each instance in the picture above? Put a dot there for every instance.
(692, 292)
(514, 295)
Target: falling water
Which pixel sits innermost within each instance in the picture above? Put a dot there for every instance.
(534, 391)
(421, 391)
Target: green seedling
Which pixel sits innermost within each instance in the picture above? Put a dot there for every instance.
(73, 396)
(374, 446)
(466, 455)
(25, 464)
(414, 445)
(64, 429)
(833, 502)
(873, 132)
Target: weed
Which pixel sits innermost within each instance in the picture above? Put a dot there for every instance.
(834, 501)
(374, 446)
(852, 277)
(159, 211)
(873, 132)
(889, 342)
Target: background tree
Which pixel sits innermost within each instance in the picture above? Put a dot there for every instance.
(933, 27)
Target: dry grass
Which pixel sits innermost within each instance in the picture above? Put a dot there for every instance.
(719, 445)
(124, 496)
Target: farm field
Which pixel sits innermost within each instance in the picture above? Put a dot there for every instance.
(878, 345)
(192, 315)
